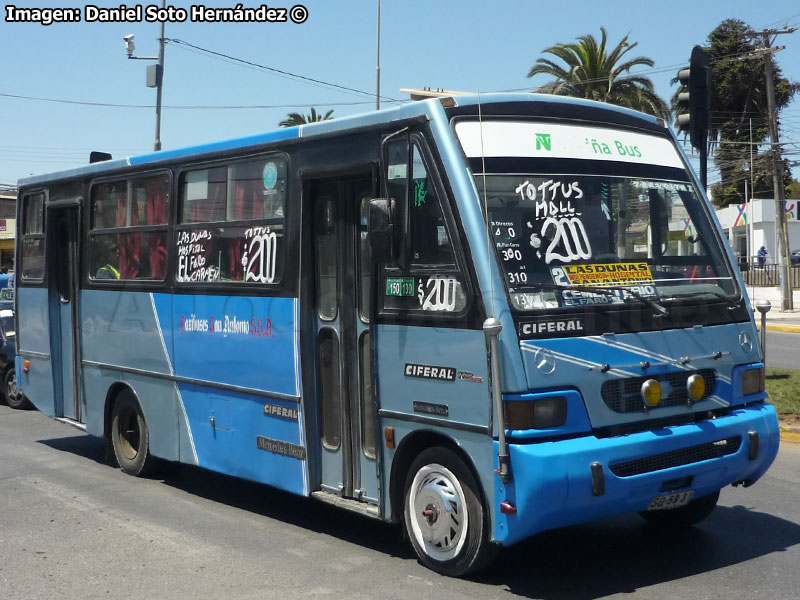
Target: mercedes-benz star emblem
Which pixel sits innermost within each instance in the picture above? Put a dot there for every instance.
(745, 342)
(544, 360)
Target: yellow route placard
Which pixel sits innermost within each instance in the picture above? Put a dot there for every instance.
(609, 274)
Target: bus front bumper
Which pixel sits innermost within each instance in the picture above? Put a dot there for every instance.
(552, 483)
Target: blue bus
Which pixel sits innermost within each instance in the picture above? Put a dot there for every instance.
(478, 317)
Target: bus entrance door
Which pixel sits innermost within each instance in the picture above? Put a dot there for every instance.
(347, 414)
(63, 230)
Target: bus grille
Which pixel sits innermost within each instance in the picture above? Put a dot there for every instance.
(625, 395)
(677, 458)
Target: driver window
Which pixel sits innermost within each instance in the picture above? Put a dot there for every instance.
(430, 242)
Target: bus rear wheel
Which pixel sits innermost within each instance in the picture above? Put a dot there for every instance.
(444, 515)
(685, 516)
(14, 396)
(130, 436)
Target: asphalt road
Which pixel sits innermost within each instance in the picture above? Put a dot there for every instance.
(72, 526)
(783, 350)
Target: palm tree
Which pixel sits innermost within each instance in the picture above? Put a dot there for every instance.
(589, 71)
(293, 119)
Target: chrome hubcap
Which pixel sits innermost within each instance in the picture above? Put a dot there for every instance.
(438, 508)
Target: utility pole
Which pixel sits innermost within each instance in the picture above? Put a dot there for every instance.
(160, 84)
(155, 74)
(378, 64)
(777, 172)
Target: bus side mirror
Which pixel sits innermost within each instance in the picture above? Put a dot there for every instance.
(382, 230)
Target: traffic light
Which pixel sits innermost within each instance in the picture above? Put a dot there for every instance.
(694, 102)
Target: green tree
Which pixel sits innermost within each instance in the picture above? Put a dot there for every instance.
(793, 190)
(293, 119)
(739, 102)
(590, 71)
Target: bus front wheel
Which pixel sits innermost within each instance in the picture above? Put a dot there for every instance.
(130, 437)
(444, 516)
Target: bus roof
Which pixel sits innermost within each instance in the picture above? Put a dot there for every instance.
(406, 110)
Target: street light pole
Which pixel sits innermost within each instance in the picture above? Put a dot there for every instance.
(155, 74)
(378, 64)
(159, 84)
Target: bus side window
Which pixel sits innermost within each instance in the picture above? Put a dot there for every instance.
(128, 229)
(428, 280)
(231, 222)
(32, 247)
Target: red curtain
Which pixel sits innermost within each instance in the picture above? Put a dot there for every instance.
(127, 243)
(156, 210)
(248, 204)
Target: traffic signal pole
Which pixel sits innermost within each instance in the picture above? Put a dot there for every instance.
(695, 101)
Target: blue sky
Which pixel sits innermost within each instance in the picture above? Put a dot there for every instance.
(453, 44)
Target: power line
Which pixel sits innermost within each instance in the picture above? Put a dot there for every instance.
(279, 71)
(183, 106)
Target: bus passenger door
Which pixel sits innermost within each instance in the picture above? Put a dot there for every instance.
(63, 229)
(344, 354)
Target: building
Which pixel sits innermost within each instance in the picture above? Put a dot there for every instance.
(8, 228)
(752, 225)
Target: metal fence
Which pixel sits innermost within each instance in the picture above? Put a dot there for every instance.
(766, 275)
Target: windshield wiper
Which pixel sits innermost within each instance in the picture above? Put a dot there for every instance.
(607, 290)
(730, 301)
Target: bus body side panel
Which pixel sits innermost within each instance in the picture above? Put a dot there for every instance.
(406, 387)
(249, 343)
(33, 310)
(120, 329)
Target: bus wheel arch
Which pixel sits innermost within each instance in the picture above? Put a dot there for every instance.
(127, 430)
(446, 450)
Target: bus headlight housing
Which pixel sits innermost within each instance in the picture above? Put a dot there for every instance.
(695, 387)
(753, 381)
(651, 392)
(542, 413)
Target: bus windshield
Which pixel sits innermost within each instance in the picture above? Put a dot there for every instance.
(632, 231)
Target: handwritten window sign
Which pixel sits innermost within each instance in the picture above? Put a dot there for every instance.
(231, 222)
(236, 253)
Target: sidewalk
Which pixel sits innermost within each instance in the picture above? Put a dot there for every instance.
(777, 320)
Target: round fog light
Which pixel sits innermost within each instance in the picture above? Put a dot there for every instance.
(696, 387)
(651, 392)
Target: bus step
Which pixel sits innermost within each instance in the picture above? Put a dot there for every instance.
(76, 424)
(369, 510)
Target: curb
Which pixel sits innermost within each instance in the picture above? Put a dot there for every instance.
(790, 434)
(783, 328)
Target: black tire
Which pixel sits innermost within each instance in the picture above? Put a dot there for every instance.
(685, 516)
(14, 396)
(130, 437)
(444, 516)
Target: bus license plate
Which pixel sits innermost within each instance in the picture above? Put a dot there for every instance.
(668, 501)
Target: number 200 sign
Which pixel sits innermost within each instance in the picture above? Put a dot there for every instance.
(262, 251)
(439, 293)
(571, 233)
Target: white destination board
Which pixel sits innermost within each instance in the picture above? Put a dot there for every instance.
(545, 140)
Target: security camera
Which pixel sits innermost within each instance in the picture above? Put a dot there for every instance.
(129, 45)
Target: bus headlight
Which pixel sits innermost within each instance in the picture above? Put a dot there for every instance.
(651, 392)
(542, 413)
(753, 381)
(696, 387)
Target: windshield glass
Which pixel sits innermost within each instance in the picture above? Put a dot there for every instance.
(634, 231)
